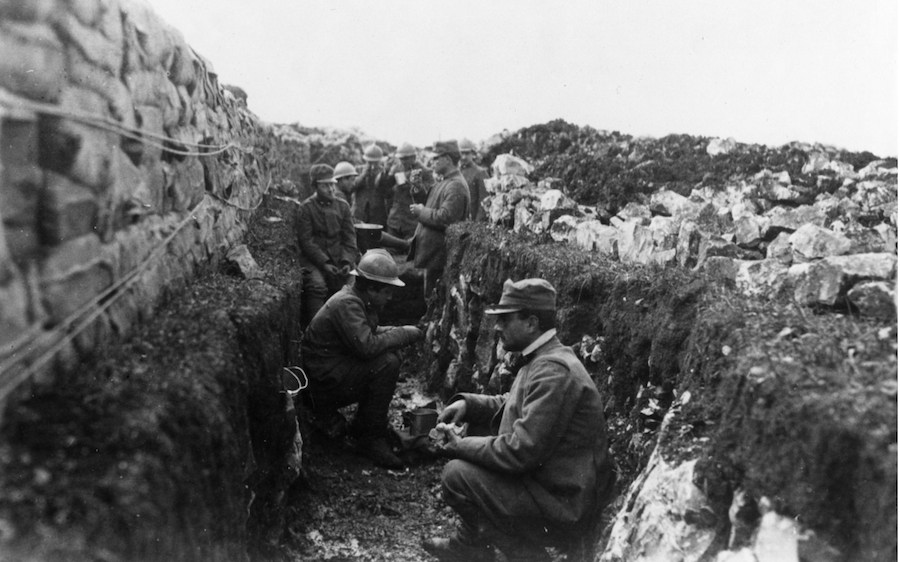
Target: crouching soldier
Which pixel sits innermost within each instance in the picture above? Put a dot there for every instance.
(545, 463)
(350, 359)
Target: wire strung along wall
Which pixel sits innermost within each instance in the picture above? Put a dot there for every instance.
(126, 168)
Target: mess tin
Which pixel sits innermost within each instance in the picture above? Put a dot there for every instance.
(421, 421)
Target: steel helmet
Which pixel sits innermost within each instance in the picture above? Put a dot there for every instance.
(373, 153)
(378, 265)
(344, 169)
(405, 150)
(466, 145)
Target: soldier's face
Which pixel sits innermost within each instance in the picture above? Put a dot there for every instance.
(441, 164)
(345, 184)
(325, 190)
(380, 297)
(516, 332)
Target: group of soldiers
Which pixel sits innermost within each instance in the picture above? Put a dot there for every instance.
(411, 204)
(535, 461)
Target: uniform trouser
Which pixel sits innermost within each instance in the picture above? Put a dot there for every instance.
(317, 287)
(490, 504)
(369, 383)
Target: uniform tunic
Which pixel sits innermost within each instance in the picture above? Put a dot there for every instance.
(371, 196)
(325, 232)
(447, 203)
(548, 454)
(401, 222)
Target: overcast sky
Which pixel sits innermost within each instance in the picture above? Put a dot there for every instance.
(761, 71)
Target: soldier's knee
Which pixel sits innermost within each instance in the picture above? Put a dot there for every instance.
(453, 475)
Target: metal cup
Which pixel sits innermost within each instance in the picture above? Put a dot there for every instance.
(421, 421)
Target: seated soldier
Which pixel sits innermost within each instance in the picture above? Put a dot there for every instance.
(545, 464)
(327, 241)
(350, 359)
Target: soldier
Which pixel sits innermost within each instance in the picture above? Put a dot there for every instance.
(350, 359)
(447, 203)
(411, 183)
(327, 240)
(345, 174)
(475, 176)
(543, 461)
(371, 189)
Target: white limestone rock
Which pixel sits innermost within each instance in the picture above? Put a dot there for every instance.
(653, 524)
(668, 203)
(719, 146)
(811, 242)
(780, 249)
(592, 235)
(755, 278)
(828, 280)
(507, 164)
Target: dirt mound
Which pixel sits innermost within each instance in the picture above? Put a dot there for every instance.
(775, 400)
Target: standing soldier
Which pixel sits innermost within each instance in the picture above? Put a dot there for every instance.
(411, 184)
(345, 174)
(327, 240)
(371, 190)
(475, 176)
(447, 203)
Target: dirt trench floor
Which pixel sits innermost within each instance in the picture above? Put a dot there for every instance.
(347, 509)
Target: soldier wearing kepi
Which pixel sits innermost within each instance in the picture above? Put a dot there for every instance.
(371, 189)
(447, 203)
(411, 183)
(327, 240)
(544, 463)
(350, 359)
(475, 176)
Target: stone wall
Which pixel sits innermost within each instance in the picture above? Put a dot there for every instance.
(126, 169)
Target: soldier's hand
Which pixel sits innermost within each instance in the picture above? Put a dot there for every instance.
(453, 413)
(332, 270)
(416, 209)
(414, 333)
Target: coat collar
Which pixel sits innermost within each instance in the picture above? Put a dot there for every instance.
(542, 339)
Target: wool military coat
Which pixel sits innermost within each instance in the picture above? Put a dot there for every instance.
(549, 431)
(447, 203)
(325, 232)
(372, 196)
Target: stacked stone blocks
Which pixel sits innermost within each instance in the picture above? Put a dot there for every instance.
(113, 133)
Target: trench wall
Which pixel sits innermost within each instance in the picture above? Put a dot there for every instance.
(177, 444)
(126, 170)
(769, 399)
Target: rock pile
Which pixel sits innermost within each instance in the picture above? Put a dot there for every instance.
(832, 243)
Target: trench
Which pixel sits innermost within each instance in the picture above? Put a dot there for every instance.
(180, 444)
